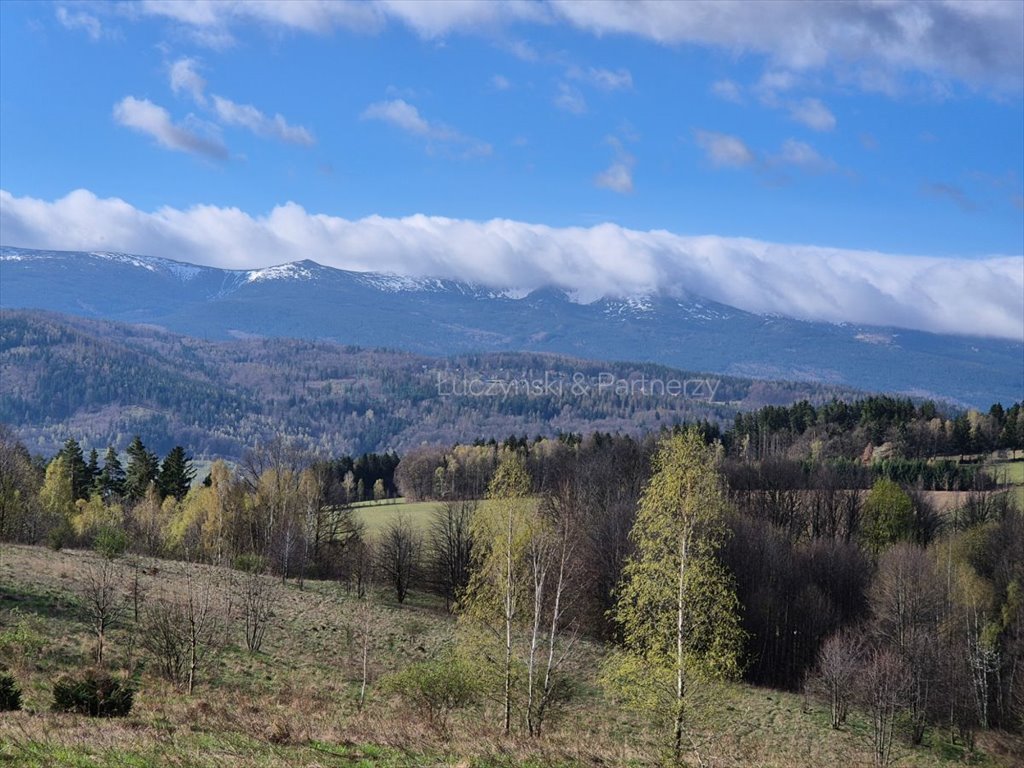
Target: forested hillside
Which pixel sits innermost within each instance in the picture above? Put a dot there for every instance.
(104, 382)
(674, 590)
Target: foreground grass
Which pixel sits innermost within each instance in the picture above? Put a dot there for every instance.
(296, 702)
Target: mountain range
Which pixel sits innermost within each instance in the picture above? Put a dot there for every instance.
(305, 300)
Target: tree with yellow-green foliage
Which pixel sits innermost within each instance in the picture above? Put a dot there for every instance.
(57, 499)
(94, 516)
(677, 608)
(495, 600)
(888, 516)
(200, 526)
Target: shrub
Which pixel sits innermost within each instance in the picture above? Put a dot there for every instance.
(437, 687)
(249, 563)
(56, 537)
(110, 542)
(10, 693)
(94, 693)
(22, 643)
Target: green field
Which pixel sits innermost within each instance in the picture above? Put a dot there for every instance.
(375, 515)
(1010, 473)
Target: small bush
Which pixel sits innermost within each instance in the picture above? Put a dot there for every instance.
(436, 687)
(94, 693)
(10, 693)
(23, 643)
(56, 537)
(250, 564)
(110, 542)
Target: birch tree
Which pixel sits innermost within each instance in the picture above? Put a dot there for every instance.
(677, 608)
(553, 572)
(499, 584)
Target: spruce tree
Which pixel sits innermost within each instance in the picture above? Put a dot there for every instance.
(80, 481)
(143, 469)
(93, 471)
(176, 474)
(111, 479)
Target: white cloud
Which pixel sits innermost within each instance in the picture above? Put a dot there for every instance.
(407, 117)
(80, 20)
(972, 296)
(618, 177)
(247, 116)
(772, 83)
(727, 90)
(436, 18)
(400, 113)
(153, 120)
(211, 21)
(500, 83)
(569, 99)
(868, 44)
(803, 156)
(724, 150)
(185, 77)
(605, 79)
(522, 50)
(813, 114)
(950, 192)
(978, 42)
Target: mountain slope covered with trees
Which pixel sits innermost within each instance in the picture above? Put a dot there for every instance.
(104, 382)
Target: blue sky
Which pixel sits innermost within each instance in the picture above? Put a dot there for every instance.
(832, 125)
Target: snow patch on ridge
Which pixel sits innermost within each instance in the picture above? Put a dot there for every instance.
(392, 283)
(292, 271)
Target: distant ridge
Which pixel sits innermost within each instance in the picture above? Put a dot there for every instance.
(434, 316)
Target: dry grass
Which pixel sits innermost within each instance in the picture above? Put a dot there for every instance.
(295, 702)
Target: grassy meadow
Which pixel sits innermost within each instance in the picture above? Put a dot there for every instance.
(296, 701)
(1010, 473)
(376, 515)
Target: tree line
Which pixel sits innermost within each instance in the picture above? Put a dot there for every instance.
(693, 561)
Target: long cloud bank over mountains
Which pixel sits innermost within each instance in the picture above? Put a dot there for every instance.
(967, 296)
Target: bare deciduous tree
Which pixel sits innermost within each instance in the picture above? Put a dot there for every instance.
(359, 569)
(451, 548)
(257, 593)
(180, 630)
(882, 690)
(553, 571)
(398, 552)
(839, 662)
(907, 601)
(162, 637)
(364, 620)
(105, 600)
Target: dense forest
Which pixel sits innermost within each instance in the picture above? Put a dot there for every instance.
(816, 554)
(102, 383)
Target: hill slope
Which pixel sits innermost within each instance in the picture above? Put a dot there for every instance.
(443, 317)
(295, 702)
(103, 382)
